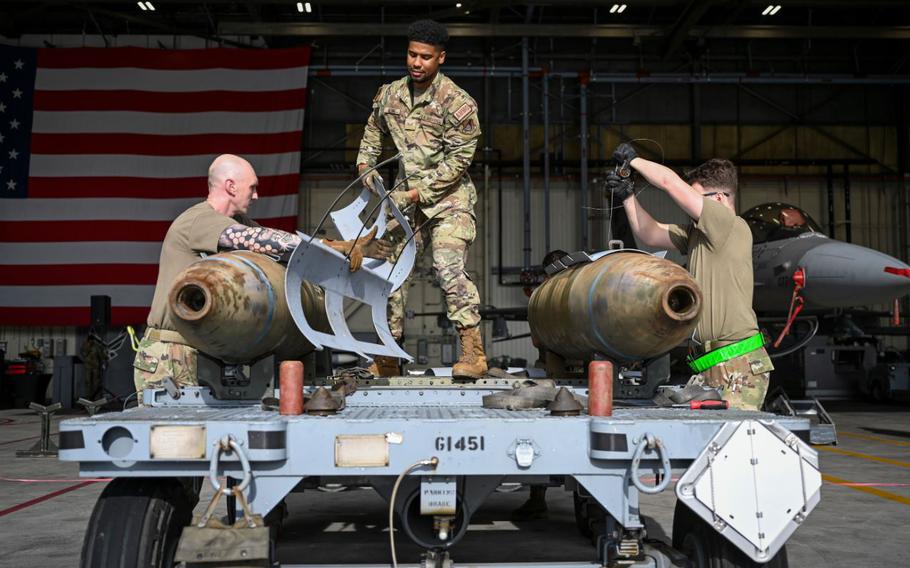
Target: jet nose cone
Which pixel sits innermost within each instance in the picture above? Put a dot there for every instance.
(842, 275)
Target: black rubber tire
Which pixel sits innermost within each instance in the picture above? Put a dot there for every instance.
(706, 548)
(879, 393)
(137, 523)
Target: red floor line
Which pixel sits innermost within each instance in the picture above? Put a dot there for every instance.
(14, 422)
(43, 498)
(25, 439)
(19, 480)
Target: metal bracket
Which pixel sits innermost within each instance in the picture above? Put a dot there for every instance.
(43, 447)
(524, 451)
(371, 285)
(92, 406)
(582, 257)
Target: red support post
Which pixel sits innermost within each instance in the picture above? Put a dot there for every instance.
(600, 388)
(290, 377)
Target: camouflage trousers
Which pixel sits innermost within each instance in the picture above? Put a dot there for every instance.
(449, 235)
(156, 360)
(742, 381)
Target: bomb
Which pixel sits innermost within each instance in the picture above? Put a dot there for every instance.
(626, 306)
(232, 306)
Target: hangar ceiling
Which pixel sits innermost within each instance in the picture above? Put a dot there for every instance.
(736, 35)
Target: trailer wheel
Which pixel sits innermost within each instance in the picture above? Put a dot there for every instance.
(879, 392)
(137, 522)
(706, 548)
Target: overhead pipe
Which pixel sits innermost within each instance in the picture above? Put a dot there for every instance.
(625, 78)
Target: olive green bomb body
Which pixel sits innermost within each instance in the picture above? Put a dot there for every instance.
(625, 306)
(232, 306)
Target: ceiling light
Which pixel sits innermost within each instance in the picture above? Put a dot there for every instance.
(300, 7)
(467, 12)
(458, 5)
(142, 5)
(307, 7)
(775, 10)
(767, 10)
(150, 6)
(622, 9)
(614, 8)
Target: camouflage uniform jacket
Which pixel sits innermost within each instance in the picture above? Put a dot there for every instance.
(436, 136)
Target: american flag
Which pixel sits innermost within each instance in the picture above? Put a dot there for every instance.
(100, 149)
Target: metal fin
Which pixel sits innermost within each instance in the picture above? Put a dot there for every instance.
(371, 285)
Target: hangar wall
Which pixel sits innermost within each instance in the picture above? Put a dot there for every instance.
(785, 136)
(875, 214)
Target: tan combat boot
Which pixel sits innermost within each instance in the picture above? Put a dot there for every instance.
(473, 362)
(383, 366)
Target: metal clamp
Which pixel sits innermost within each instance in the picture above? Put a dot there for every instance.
(225, 444)
(650, 442)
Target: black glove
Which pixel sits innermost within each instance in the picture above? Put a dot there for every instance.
(621, 188)
(624, 153)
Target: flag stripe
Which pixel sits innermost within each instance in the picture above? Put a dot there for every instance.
(136, 187)
(147, 210)
(163, 145)
(180, 81)
(147, 231)
(245, 122)
(97, 252)
(120, 165)
(168, 59)
(105, 147)
(74, 296)
(80, 316)
(79, 274)
(143, 101)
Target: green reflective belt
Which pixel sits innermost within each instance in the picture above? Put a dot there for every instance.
(726, 353)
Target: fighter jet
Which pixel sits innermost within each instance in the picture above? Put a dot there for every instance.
(790, 249)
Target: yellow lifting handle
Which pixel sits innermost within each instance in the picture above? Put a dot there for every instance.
(134, 341)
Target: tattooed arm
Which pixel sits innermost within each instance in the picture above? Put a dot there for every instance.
(280, 244)
(273, 242)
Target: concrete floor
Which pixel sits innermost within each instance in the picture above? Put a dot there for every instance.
(44, 508)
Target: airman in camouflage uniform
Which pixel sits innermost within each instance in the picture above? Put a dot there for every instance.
(157, 359)
(719, 246)
(434, 125)
(219, 223)
(741, 381)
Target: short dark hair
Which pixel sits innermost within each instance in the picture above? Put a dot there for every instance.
(553, 256)
(716, 173)
(429, 32)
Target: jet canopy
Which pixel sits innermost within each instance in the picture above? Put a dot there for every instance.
(778, 221)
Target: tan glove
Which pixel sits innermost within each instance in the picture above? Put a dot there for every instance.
(378, 248)
(364, 246)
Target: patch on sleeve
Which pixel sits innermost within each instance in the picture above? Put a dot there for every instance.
(469, 126)
(463, 111)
